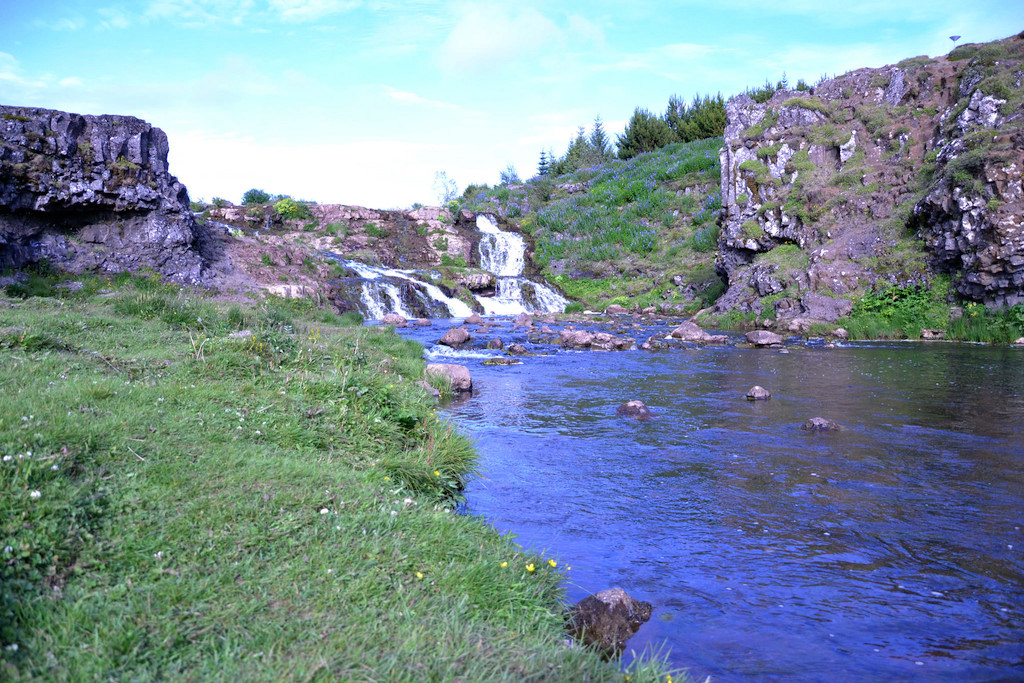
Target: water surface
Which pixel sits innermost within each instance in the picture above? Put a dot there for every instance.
(888, 551)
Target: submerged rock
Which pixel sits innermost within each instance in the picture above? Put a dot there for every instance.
(458, 375)
(606, 620)
(496, 344)
(455, 337)
(635, 409)
(820, 424)
(758, 393)
(517, 350)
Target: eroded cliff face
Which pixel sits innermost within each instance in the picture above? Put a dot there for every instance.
(880, 176)
(93, 193)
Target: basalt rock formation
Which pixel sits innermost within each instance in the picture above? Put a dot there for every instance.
(94, 193)
(878, 177)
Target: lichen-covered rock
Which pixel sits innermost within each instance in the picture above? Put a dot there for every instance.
(94, 193)
(824, 189)
(606, 620)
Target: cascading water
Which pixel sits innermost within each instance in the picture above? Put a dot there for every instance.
(389, 290)
(504, 254)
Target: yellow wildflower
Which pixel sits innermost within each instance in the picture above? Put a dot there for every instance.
(437, 473)
(552, 563)
(530, 567)
(503, 564)
(419, 575)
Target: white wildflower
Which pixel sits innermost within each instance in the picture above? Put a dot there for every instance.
(34, 495)
(324, 511)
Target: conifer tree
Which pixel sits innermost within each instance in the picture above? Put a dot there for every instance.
(599, 142)
(544, 167)
(644, 133)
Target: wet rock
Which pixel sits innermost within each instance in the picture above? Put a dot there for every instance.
(606, 620)
(503, 361)
(496, 344)
(473, 319)
(457, 375)
(933, 334)
(688, 331)
(840, 333)
(758, 393)
(455, 337)
(518, 350)
(394, 319)
(635, 409)
(763, 338)
(522, 320)
(1019, 342)
(422, 322)
(820, 424)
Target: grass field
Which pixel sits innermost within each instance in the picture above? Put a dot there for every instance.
(179, 504)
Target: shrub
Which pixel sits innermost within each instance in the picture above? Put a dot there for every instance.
(255, 196)
(289, 208)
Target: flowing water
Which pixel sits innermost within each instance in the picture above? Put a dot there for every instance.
(411, 294)
(891, 550)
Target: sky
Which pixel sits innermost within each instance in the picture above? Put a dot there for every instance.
(365, 101)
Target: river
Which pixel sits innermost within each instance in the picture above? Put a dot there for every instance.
(891, 550)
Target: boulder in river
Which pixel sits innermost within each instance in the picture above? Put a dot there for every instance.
(454, 337)
(496, 344)
(691, 332)
(758, 393)
(473, 319)
(635, 409)
(763, 338)
(606, 620)
(517, 350)
(522, 320)
(458, 375)
(820, 424)
(615, 309)
(394, 319)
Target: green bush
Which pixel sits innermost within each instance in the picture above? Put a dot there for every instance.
(255, 196)
(291, 209)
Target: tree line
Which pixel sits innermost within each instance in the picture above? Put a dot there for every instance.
(701, 118)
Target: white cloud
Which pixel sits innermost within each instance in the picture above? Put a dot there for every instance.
(409, 98)
(488, 37)
(114, 18)
(70, 82)
(311, 10)
(66, 24)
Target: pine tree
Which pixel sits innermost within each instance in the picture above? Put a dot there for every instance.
(544, 167)
(644, 133)
(599, 142)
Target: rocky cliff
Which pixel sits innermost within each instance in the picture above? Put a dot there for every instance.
(93, 193)
(878, 177)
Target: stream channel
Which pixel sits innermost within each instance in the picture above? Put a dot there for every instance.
(892, 550)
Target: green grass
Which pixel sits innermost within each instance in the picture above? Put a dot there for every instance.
(182, 505)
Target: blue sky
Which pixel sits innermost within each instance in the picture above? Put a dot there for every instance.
(364, 101)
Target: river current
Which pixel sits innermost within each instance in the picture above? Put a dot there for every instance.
(891, 550)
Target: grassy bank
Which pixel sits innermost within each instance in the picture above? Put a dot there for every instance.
(178, 504)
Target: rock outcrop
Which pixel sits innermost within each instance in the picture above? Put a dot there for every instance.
(878, 177)
(94, 193)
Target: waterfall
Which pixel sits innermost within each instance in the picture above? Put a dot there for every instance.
(504, 254)
(390, 290)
